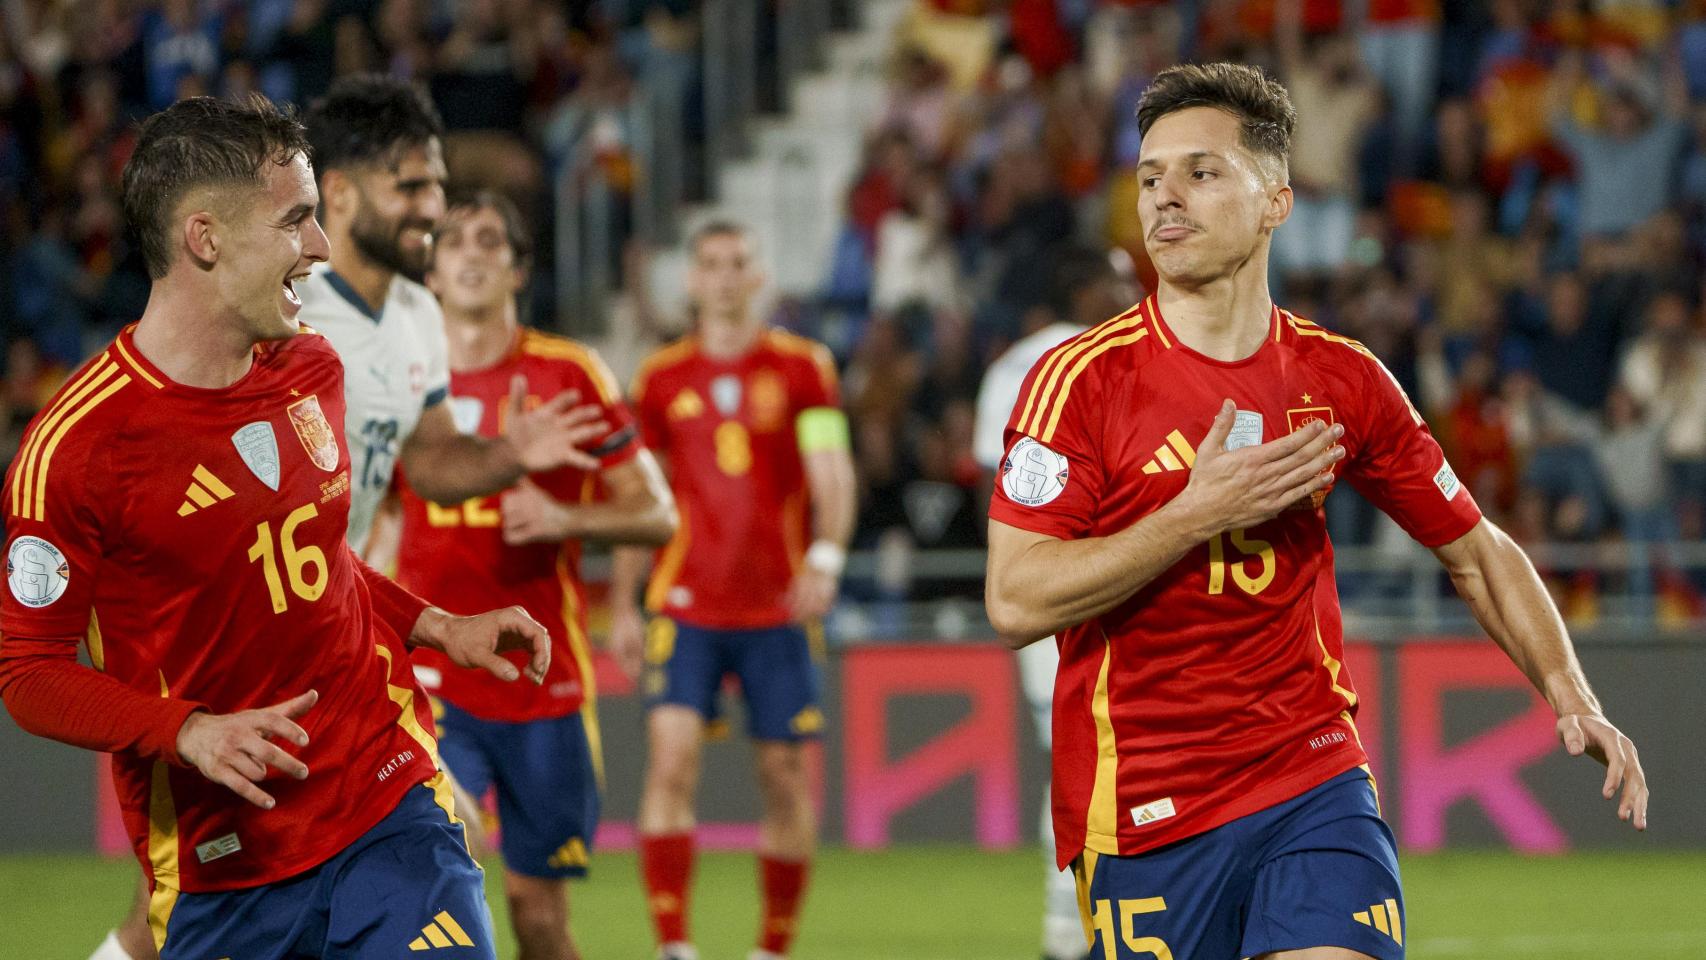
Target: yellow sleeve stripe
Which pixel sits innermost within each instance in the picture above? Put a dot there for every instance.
(59, 434)
(68, 395)
(663, 357)
(1077, 368)
(29, 459)
(1048, 375)
(558, 348)
(140, 371)
(1306, 328)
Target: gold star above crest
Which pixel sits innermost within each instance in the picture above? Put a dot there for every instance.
(1306, 398)
(297, 393)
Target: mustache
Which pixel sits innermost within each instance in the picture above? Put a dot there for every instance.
(1174, 222)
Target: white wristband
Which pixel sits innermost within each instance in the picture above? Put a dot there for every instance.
(826, 557)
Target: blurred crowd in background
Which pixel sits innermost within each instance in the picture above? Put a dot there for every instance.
(1506, 201)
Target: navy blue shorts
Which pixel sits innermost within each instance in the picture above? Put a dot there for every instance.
(777, 668)
(1320, 870)
(546, 774)
(406, 885)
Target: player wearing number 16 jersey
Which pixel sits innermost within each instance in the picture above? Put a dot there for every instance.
(1159, 508)
(180, 507)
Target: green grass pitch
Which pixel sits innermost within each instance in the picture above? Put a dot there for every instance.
(954, 903)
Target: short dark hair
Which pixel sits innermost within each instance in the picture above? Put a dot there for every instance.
(1265, 115)
(516, 230)
(369, 118)
(716, 228)
(200, 142)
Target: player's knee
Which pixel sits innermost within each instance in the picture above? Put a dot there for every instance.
(782, 777)
(675, 772)
(539, 913)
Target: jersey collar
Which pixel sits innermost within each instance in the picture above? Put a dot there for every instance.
(343, 289)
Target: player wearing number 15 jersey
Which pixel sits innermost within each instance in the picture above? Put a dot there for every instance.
(180, 508)
(1159, 507)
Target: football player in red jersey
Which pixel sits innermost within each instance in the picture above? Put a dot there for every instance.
(538, 748)
(180, 507)
(747, 421)
(1209, 787)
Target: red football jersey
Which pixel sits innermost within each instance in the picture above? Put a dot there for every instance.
(195, 539)
(1218, 689)
(455, 556)
(726, 430)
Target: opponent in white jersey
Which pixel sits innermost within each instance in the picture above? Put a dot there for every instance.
(380, 167)
(1084, 288)
(396, 367)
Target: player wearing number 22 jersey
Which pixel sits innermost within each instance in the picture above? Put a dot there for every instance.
(1218, 690)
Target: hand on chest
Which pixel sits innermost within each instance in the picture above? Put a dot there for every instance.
(1159, 445)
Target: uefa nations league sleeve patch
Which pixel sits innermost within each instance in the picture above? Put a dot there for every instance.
(36, 571)
(1032, 474)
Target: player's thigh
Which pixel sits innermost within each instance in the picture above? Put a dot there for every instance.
(682, 668)
(1329, 879)
(278, 921)
(464, 747)
(409, 888)
(1182, 902)
(675, 740)
(781, 766)
(1317, 953)
(780, 680)
(548, 796)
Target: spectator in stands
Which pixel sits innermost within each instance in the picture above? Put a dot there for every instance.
(1626, 170)
(915, 257)
(1629, 450)
(1335, 99)
(1664, 371)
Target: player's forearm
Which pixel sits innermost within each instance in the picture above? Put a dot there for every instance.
(647, 520)
(829, 474)
(455, 468)
(393, 604)
(628, 569)
(54, 696)
(1497, 581)
(1050, 584)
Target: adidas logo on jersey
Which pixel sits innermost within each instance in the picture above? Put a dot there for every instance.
(1383, 917)
(204, 491)
(1176, 454)
(444, 931)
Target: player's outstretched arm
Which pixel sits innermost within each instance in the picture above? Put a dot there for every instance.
(638, 508)
(1494, 576)
(479, 641)
(448, 466)
(1038, 584)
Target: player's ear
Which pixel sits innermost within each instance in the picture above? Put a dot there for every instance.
(518, 279)
(337, 192)
(1279, 206)
(201, 236)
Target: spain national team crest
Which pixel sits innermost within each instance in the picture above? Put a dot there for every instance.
(1299, 417)
(258, 446)
(315, 432)
(768, 397)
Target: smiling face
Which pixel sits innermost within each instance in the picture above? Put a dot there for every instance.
(392, 211)
(1207, 202)
(474, 269)
(268, 240)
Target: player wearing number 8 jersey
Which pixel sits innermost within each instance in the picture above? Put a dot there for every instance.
(1159, 508)
(180, 507)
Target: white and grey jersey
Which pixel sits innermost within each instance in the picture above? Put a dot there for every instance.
(396, 365)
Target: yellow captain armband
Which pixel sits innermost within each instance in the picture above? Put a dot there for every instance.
(822, 428)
